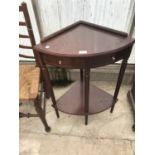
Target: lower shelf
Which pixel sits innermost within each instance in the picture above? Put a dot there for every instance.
(72, 101)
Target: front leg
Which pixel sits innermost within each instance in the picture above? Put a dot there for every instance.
(41, 114)
(86, 93)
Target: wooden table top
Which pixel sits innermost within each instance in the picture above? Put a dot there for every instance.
(83, 39)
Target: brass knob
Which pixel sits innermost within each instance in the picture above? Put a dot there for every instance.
(60, 62)
(113, 58)
(47, 46)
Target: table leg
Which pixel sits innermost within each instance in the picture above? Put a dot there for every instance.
(41, 114)
(50, 89)
(119, 81)
(81, 75)
(86, 93)
(48, 85)
(43, 85)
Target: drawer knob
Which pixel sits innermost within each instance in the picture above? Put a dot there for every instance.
(113, 58)
(60, 62)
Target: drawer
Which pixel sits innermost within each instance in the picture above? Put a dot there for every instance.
(84, 62)
(64, 62)
(105, 59)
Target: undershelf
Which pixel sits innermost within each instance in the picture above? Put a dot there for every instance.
(72, 101)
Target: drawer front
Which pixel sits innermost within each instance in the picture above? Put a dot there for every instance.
(106, 59)
(83, 62)
(64, 62)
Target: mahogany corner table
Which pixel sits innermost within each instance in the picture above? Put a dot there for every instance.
(83, 46)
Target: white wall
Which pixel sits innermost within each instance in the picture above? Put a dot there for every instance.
(53, 15)
(132, 56)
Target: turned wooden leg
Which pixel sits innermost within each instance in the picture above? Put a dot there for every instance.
(86, 93)
(46, 91)
(48, 85)
(54, 103)
(119, 81)
(43, 85)
(81, 75)
(41, 114)
(50, 89)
